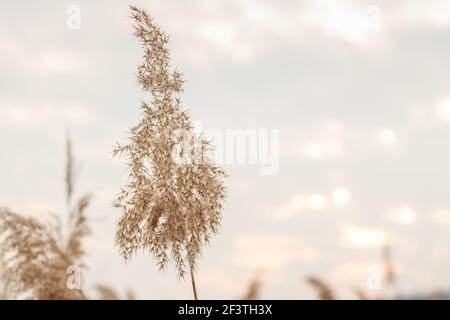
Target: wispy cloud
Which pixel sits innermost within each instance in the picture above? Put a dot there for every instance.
(359, 26)
(441, 216)
(402, 215)
(324, 140)
(435, 13)
(42, 61)
(270, 252)
(386, 137)
(225, 38)
(362, 237)
(221, 281)
(443, 109)
(38, 114)
(312, 202)
(60, 61)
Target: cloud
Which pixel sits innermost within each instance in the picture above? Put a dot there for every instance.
(244, 30)
(362, 237)
(59, 61)
(356, 271)
(270, 252)
(224, 37)
(37, 114)
(344, 21)
(386, 137)
(319, 149)
(266, 15)
(341, 197)
(42, 61)
(441, 216)
(413, 12)
(299, 203)
(320, 141)
(403, 215)
(219, 279)
(443, 110)
(307, 202)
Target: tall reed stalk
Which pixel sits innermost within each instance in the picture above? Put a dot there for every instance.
(172, 202)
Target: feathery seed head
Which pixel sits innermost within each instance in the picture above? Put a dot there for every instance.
(170, 208)
(32, 264)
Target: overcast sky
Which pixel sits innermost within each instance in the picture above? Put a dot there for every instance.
(360, 94)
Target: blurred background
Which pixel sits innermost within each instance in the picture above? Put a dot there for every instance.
(360, 93)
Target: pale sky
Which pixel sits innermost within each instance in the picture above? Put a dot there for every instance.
(360, 94)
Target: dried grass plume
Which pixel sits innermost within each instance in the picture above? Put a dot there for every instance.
(34, 258)
(254, 288)
(324, 291)
(172, 202)
(32, 264)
